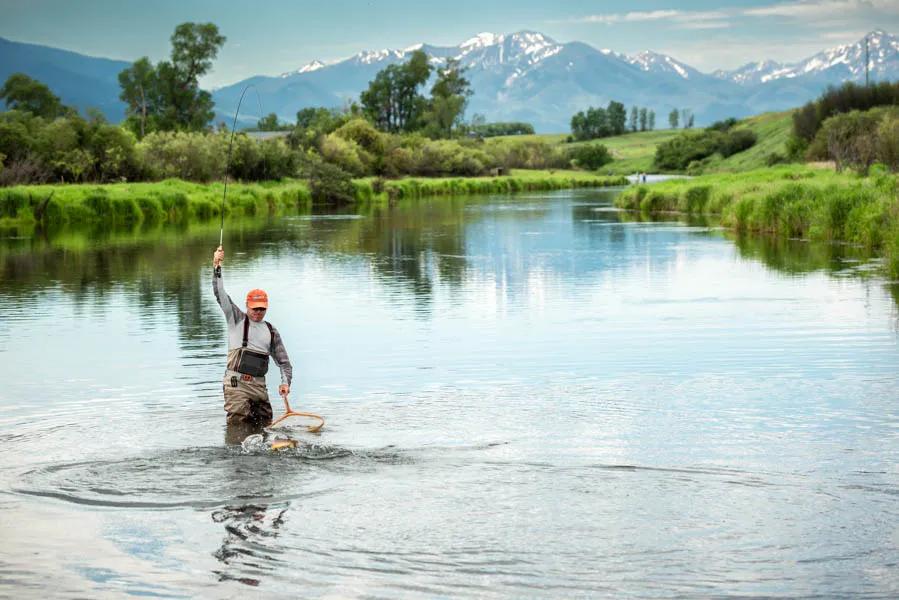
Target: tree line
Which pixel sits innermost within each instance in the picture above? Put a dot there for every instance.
(395, 128)
(847, 124)
(614, 119)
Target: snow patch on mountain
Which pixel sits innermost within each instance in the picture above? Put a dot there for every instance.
(654, 62)
(842, 62)
(750, 73)
(315, 65)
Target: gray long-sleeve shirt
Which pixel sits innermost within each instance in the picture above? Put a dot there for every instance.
(259, 338)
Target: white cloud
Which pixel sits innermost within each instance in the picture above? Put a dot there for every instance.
(681, 18)
(706, 25)
(823, 9)
(648, 15)
(843, 36)
(817, 11)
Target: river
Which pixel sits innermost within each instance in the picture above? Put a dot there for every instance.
(526, 396)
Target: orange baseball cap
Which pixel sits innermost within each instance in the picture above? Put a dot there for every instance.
(257, 298)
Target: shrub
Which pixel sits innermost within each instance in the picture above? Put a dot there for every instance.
(687, 150)
(678, 152)
(847, 139)
(888, 141)
(497, 129)
(364, 135)
(836, 100)
(328, 183)
(774, 158)
(723, 126)
(737, 141)
(189, 156)
(526, 154)
(590, 156)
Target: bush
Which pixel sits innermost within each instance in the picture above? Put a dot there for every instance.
(850, 139)
(723, 126)
(497, 129)
(680, 151)
(526, 154)
(809, 119)
(590, 156)
(689, 149)
(346, 155)
(328, 184)
(188, 156)
(113, 151)
(737, 141)
(774, 158)
(364, 135)
(888, 142)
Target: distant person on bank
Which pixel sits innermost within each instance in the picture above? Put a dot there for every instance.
(251, 342)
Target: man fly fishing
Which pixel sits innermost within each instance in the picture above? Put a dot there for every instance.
(251, 341)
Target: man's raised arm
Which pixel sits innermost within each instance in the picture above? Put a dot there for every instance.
(233, 314)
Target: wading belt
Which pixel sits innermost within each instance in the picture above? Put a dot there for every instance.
(250, 362)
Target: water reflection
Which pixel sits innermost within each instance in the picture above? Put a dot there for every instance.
(413, 245)
(481, 362)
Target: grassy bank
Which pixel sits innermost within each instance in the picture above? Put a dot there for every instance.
(516, 181)
(175, 200)
(798, 202)
(165, 201)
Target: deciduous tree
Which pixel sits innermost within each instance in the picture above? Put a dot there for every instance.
(392, 100)
(21, 92)
(449, 96)
(673, 118)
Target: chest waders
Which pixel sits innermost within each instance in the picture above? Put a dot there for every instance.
(249, 361)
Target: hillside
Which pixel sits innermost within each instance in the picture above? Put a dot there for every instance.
(634, 152)
(773, 131)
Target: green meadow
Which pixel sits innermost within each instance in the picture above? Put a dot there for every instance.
(791, 201)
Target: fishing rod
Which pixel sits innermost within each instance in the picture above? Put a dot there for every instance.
(230, 146)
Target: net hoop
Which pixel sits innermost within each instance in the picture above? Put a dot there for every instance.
(293, 413)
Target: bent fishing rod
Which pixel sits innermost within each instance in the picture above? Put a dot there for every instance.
(230, 146)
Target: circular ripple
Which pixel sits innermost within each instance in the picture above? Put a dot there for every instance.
(201, 477)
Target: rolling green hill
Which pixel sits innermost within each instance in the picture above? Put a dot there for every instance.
(634, 152)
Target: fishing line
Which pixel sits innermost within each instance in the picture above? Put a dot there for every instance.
(230, 146)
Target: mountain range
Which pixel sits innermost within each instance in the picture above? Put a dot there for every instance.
(522, 76)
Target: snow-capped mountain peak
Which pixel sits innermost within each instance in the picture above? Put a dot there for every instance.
(315, 65)
(841, 63)
(750, 73)
(481, 40)
(659, 63)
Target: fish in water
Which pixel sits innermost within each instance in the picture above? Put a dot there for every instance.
(273, 442)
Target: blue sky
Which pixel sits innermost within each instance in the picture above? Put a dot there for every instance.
(274, 37)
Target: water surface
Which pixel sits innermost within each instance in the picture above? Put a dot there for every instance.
(526, 396)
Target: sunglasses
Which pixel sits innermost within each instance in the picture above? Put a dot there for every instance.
(259, 309)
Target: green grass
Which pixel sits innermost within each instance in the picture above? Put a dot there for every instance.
(773, 131)
(171, 200)
(634, 152)
(549, 138)
(518, 180)
(799, 202)
(179, 201)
